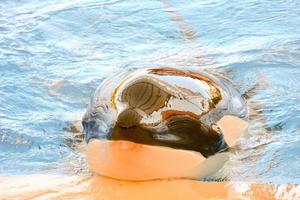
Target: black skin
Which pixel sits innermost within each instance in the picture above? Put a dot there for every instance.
(191, 134)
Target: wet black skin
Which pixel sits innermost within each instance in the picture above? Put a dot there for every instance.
(178, 132)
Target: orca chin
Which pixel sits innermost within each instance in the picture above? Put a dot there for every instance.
(128, 160)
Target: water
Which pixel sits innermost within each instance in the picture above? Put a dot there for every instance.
(54, 54)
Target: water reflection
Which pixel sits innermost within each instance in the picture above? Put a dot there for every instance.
(96, 187)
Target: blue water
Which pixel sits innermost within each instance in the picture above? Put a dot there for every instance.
(53, 54)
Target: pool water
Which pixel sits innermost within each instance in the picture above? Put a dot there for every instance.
(53, 55)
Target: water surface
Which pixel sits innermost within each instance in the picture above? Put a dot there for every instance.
(53, 55)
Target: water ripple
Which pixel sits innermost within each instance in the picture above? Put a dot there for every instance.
(53, 54)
